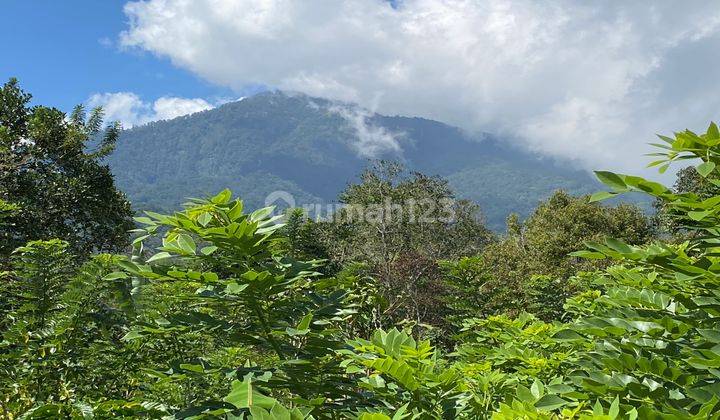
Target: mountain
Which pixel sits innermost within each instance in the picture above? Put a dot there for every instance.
(312, 148)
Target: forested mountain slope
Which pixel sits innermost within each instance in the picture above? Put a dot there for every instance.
(312, 148)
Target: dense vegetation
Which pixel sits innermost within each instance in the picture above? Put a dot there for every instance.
(62, 189)
(580, 311)
(276, 141)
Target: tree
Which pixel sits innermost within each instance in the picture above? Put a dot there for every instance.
(30, 301)
(234, 288)
(400, 225)
(305, 238)
(530, 268)
(688, 181)
(642, 341)
(61, 330)
(51, 167)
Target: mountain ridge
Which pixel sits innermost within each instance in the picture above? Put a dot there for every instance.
(312, 147)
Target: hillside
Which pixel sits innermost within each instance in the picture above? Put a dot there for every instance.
(312, 148)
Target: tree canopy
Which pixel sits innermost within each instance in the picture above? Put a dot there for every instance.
(51, 168)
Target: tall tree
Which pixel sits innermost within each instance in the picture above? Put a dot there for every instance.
(529, 269)
(51, 168)
(400, 224)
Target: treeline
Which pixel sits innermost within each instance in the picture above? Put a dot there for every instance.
(400, 305)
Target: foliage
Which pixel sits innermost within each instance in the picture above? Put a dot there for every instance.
(306, 239)
(238, 290)
(654, 326)
(530, 268)
(30, 298)
(463, 278)
(219, 321)
(404, 373)
(399, 225)
(61, 331)
(688, 181)
(7, 210)
(47, 170)
(642, 345)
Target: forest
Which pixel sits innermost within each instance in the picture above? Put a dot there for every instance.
(217, 311)
(310, 147)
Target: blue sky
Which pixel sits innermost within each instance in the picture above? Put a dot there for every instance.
(591, 82)
(64, 51)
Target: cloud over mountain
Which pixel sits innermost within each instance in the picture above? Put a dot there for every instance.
(372, 140)
(581, 80)
(130, 110)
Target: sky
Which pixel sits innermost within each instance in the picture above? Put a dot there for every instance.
(590, 82)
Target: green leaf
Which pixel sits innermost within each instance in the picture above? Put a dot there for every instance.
(611, 180)
(236, 211)
(305, 322)
(192, 367)
(602, 195)
(293, 332)
(537, 389)
(567, 334)
(598, 409)
(591, 255)
(262, 213)
(243, 395)
(550, 402)
(223, 197)
(157, 216)
(186, 243)
(235, 288)
(210, 276)
(560, 389)
(116, 275)
(207, 250)
(397, 369)
(523, 394)
(618, 246)
(140, 239)
(132, 335)
(129, 266)
(400, 413)
(657, 162)
(86, 411)
(614, 408)
(374, 416)
(705, 168)
(710, 335)
(204, 219)
(699, 215)
(632, 414)
(713, 132)
(159, 256)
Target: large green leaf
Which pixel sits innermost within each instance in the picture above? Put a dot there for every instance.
(244, 395)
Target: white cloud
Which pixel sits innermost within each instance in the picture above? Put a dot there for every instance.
(372, 141)
(167, 108)
(125, 107)
(130, 110)
(590, 81)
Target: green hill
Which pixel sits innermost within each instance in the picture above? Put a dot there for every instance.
(312, 148)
